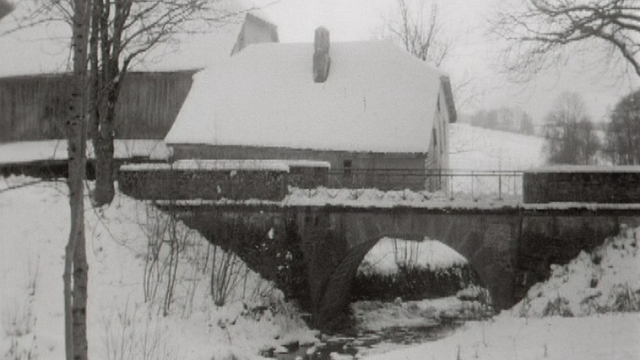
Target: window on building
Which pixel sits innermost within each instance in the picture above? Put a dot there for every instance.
(347, 166)
(434, 138)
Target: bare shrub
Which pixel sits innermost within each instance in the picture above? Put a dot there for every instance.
(17, 351)
(227, 272)
(558, 306)
(167, 238)
(623, 299)
(18, 320)
(131, 335)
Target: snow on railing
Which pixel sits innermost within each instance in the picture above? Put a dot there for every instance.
(454, 184)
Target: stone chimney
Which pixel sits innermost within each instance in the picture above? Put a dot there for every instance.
(321, 59)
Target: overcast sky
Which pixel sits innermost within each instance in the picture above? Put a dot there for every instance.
(474, 59)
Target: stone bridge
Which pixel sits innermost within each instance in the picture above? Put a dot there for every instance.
(313, 252)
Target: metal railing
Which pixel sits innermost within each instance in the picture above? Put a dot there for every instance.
(455, 184)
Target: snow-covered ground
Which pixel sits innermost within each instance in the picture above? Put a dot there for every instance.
(34, 225)
(479, 149)
(608, 336)
(34, 229)
(598, 296)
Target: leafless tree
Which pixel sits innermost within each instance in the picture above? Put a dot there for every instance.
(75, 277)
(122, 32)
(542, 33)
(418, 31)
(569, 134)
(107, 35)
(622, 133)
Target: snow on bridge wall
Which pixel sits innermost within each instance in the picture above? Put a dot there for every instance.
(313, 252)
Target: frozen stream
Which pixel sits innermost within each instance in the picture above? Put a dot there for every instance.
(384, 326)
(367, 342)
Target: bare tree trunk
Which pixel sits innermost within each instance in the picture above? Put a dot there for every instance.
(109, 89)
(104, 145)
(75, 290)
(104, 165)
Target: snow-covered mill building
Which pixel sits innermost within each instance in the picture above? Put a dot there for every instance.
(360, 106)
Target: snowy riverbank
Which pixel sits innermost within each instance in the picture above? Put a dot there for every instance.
(34, 229)
(588, 309)
(34, 222)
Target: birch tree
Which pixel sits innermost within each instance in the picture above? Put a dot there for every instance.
(75, 264)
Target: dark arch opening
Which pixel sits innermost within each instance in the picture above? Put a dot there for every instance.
(412, 270)
(339, 290)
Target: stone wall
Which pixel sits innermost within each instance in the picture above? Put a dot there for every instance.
(175, 184)
(384, 171)
(582, 185)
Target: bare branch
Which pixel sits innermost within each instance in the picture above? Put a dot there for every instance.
(419, 33)
(539, 34)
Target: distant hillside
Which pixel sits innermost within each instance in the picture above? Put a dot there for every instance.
(475, 148)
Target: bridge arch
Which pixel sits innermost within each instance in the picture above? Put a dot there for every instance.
(337, 295)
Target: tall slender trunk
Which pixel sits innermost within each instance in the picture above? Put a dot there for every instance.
(75, 289)
(109, 87)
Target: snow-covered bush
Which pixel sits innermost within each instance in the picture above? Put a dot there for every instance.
(413, 270)
(607, 280)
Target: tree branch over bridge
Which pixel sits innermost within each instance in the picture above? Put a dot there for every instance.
(539, 32)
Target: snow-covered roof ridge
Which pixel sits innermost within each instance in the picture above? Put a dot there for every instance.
(377, 98)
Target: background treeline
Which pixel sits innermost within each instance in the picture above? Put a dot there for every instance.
(505, 119)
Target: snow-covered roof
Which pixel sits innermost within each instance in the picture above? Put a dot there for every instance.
(46, 48)
(377, 98)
